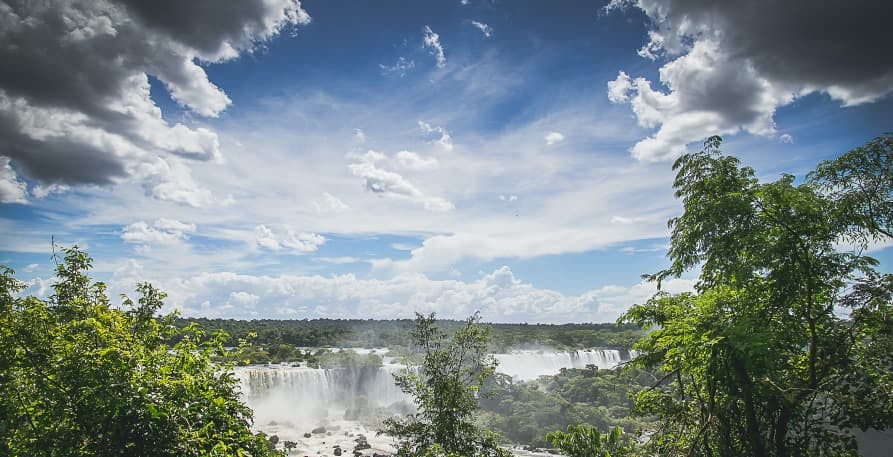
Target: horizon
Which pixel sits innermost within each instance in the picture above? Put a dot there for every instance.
(287, 161)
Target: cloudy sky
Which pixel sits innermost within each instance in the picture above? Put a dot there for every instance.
(268, 158)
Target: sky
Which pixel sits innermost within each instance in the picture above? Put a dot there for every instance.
(276, 159)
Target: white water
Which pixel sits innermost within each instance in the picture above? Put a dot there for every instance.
(527, 365)
(290, 401)
(332, 387)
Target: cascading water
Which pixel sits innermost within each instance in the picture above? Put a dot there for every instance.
(526, 365)
(330, 388)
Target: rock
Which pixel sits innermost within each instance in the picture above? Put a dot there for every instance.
(318, 430)
(307, 435)
(337, 451)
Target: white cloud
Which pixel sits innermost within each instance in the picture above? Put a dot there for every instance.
(508, 198)
(43, 191)
(619, 88)
(12, 190)
(627, 220)
(303, 242)
(615, 300)
(170, 179)
(500, 296)
(297, 242)
(391, 184)
(553, 138)
(400, 68)
(431, 41)
(30, 267)
(264, 238)
(708, 95)
(359, 135)
(786, 138)
(728, 69)
(244, 299)
(484, 28)
(411, 161)
(160, 232)
(445, 141)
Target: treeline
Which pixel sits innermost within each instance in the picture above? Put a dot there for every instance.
(270, 334)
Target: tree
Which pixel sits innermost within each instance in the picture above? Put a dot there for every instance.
(860, 182)
(585, 441)
(757, 362)
(446, 385)
(80, 377)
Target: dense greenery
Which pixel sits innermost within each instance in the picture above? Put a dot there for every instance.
(758, 361)
(586, 441)
(445, 385)
(268, 334)
(524, 412)
(81, 378)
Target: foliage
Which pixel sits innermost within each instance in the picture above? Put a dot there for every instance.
(523, 412)
(585, 441)
(79, 377)
(446, 386)
(860, 183)
(757, 362)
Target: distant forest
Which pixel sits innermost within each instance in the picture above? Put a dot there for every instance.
(395, 333)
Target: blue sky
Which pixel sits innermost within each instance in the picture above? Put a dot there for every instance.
(332, 159)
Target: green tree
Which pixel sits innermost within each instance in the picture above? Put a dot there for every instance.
(585, 441)
(446, 385)
(757, 362)
(79, 377)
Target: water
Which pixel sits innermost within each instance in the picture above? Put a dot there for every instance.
(527, 365)
(291, 401)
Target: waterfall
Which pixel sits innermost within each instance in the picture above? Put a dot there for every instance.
(336, 387)
(525, 365)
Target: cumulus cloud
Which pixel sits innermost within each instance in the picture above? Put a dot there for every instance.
(400, 68)
(553, 137)
(295, 242)
(730, 66)
(484, 28)
(615, 299)
(444, 141)
(499, 295)
(12, 189)
(160, 231)
(431, 41)
(75, 105)
(390, 184)
(264, 238)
